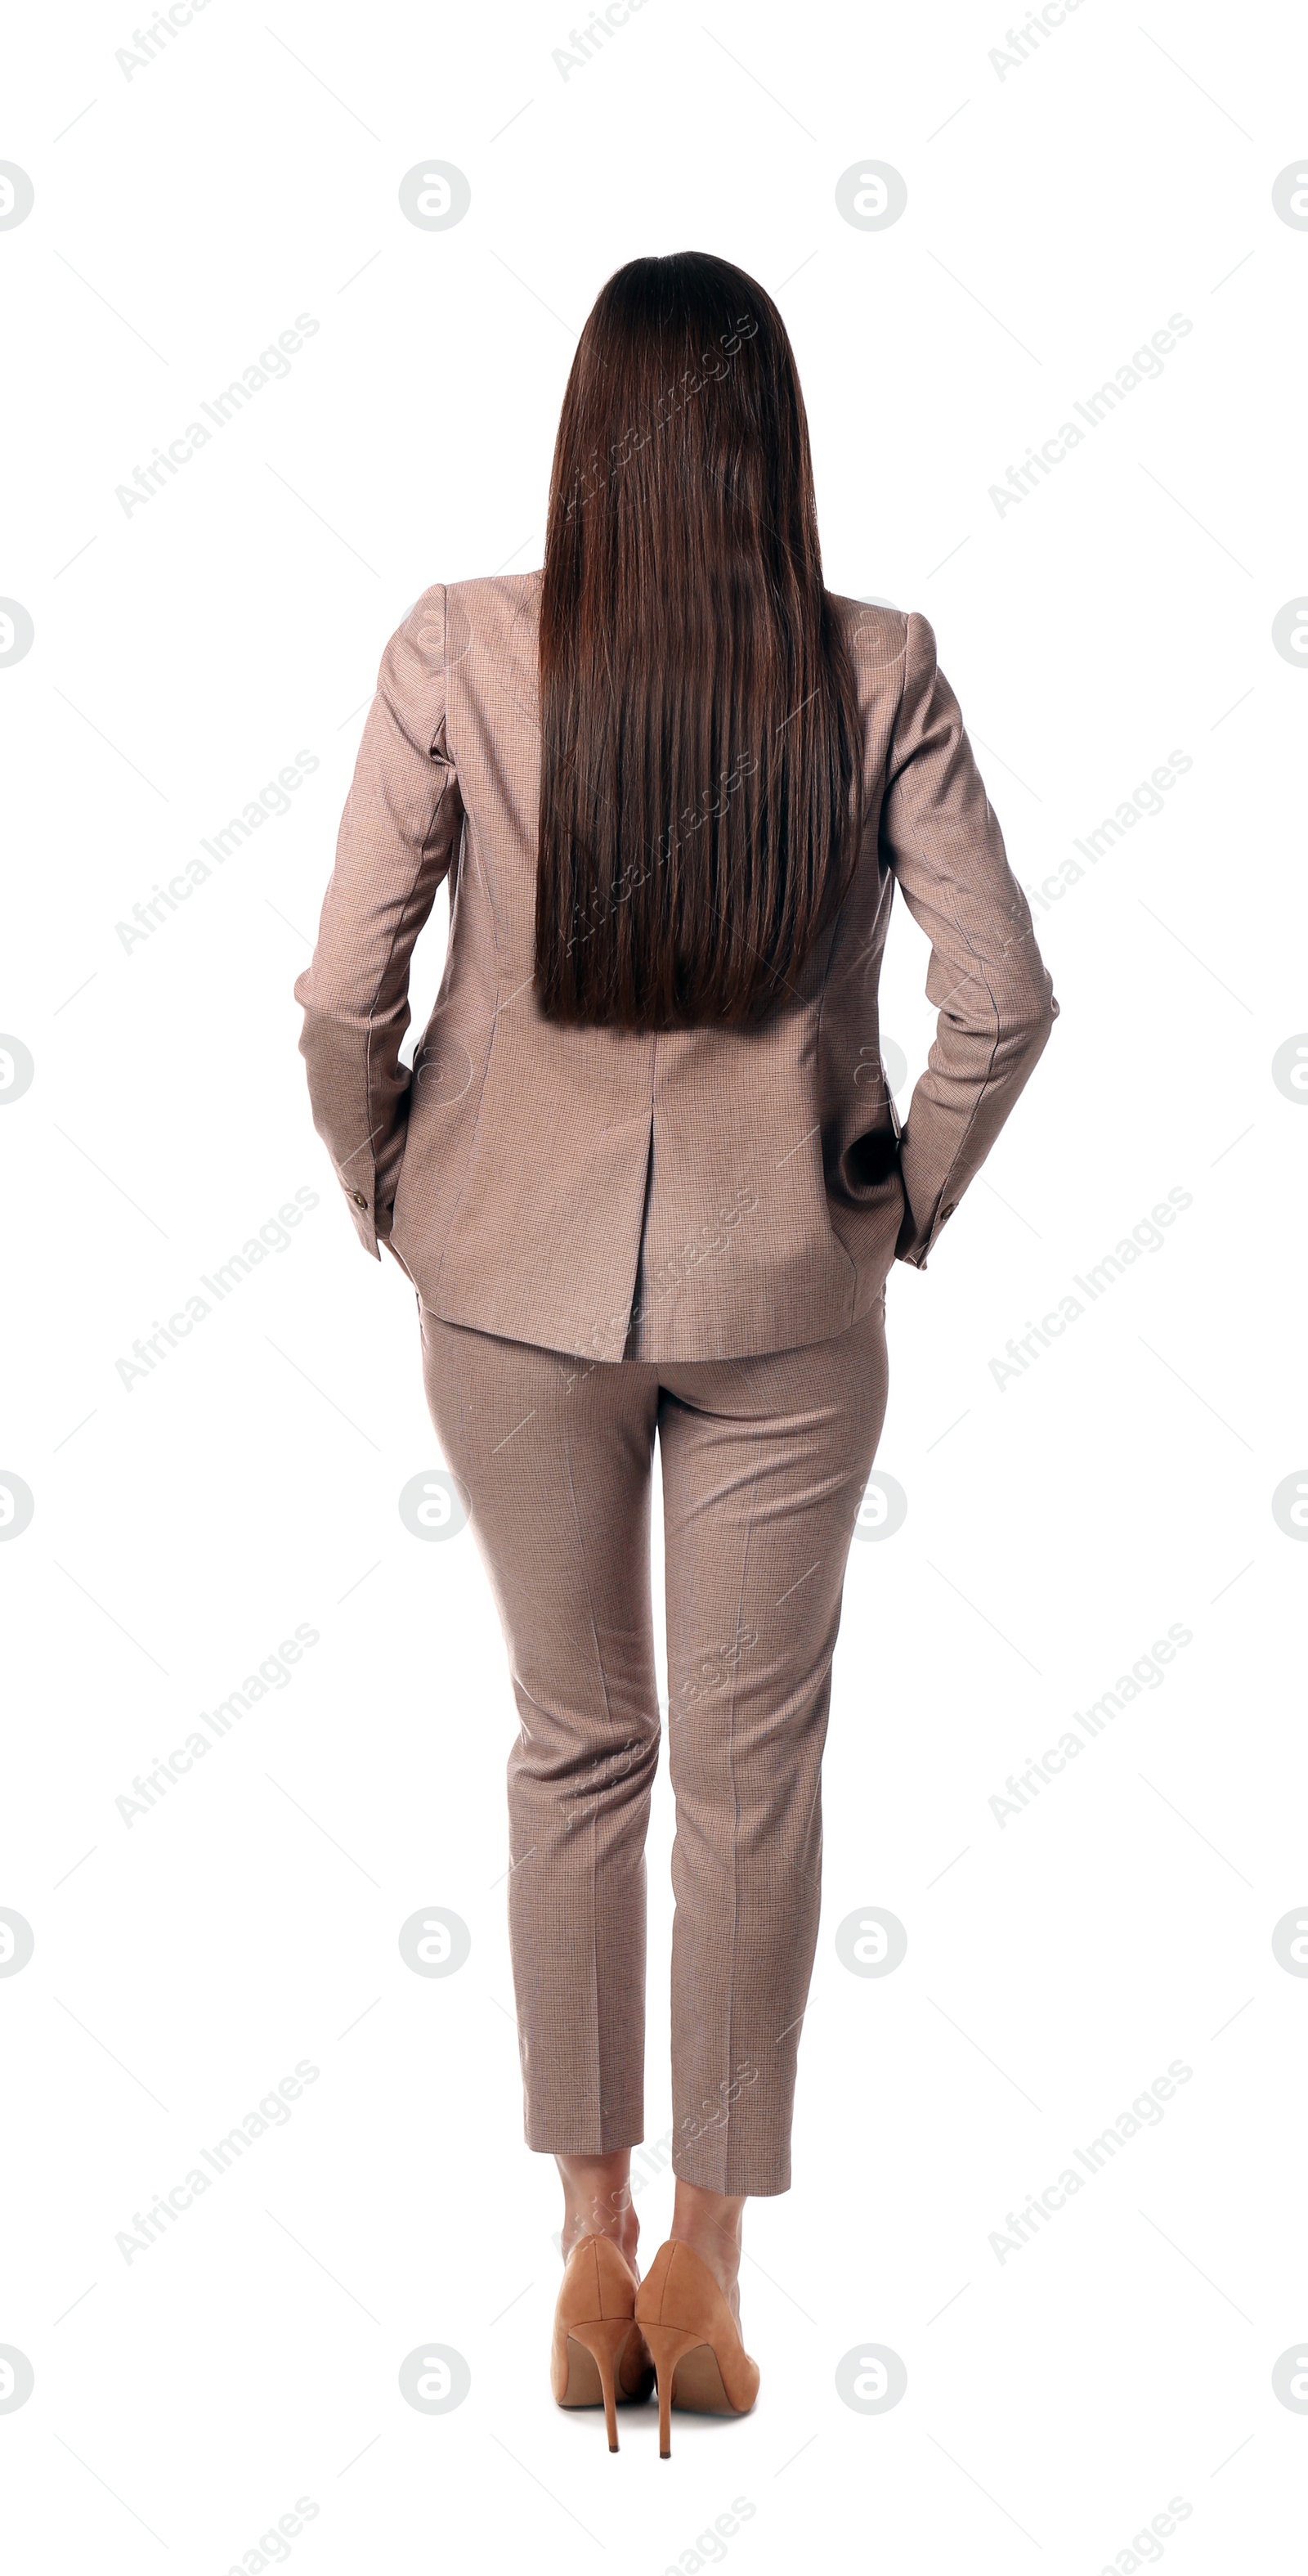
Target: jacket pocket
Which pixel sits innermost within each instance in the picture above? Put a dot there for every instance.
(869, 1162)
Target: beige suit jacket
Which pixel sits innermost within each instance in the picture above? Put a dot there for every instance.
(699, 1194)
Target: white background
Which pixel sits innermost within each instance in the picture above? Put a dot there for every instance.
(1058, 1961)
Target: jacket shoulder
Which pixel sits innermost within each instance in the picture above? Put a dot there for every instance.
(888, 646)
(496, 612)
(869, 616)
(876, 629)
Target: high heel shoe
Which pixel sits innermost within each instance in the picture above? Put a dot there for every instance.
(694, 2341)
(598, 2355)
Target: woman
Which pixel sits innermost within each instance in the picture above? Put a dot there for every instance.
(646, 1174)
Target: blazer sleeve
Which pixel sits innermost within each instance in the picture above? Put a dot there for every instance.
(398, 835)
(993, 993)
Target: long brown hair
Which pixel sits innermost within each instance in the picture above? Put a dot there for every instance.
(700, 738)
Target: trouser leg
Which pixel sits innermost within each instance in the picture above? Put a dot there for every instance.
(555, 1455)
(764, 1463)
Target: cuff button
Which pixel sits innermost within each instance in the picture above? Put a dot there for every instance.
(358, 1198)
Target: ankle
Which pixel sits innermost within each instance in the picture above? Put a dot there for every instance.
(597, 2201)
(709, 2222)
(722, 2260)
(620, 2227)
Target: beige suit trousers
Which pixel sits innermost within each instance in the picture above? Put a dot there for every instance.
(764, 1461)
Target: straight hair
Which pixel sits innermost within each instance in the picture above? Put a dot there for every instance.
(701, 760)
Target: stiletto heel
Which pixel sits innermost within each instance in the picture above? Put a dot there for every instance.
(666, 2346)
(605, 2339)
(599, 2355)
(693, 2341)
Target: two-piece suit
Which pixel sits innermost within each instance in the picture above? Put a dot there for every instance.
(612, 1233)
